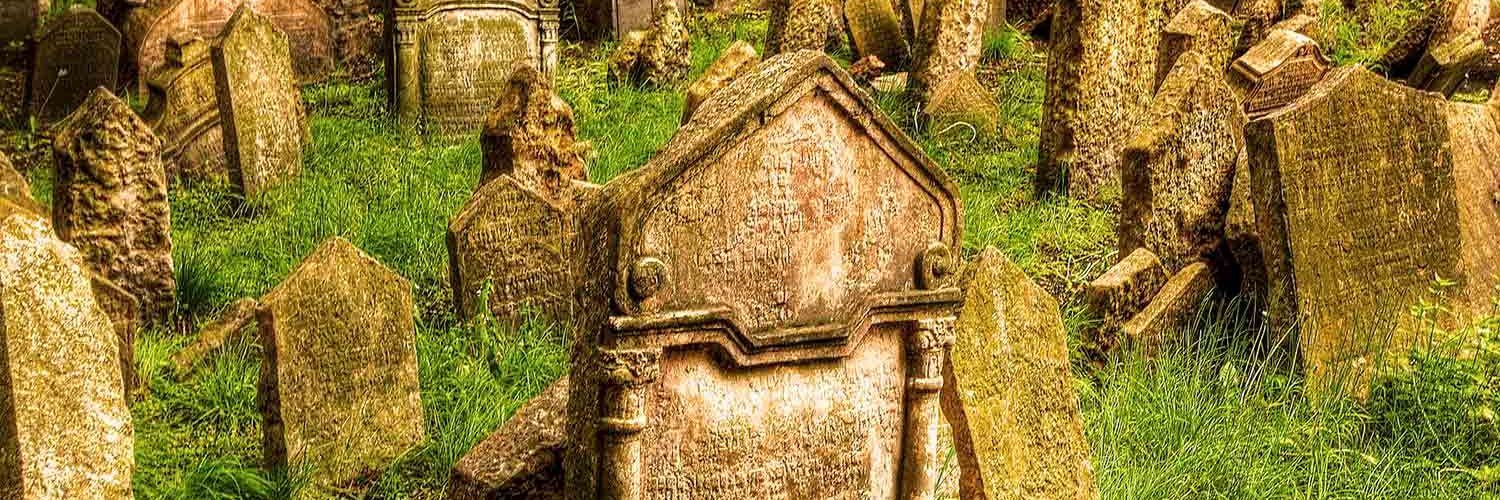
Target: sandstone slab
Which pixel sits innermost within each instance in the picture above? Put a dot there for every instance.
(302, 22)
(1197, 27)
(260, 106)
(947, 42)
(1121, 293)
(338, 387)
(513, 243)
(124, 313)
(1278, 70)
(523, 459)
(1170, 311)
(875, 30)
(804, 25)
(75, 54)
(738, 59)
(529, 135)
(961, 106)
(214, 336)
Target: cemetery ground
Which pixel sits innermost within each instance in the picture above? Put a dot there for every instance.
(1217, 416)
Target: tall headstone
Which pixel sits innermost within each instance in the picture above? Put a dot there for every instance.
(1099, 85)
(1008, 391)
(1365, 191)
(513, 242)
(305, 25)
(75, 54)
(264, 125)
(110, 200)
(1278, 70)
(450, 59)
(68, 431)
(949, 40)
(529, 135)
(338, 387)
(766, 303)
(183, 109)
(875, 30)
(602, 19)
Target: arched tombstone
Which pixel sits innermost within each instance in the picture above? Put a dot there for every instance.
(766, 303)
(75, 54)
(307, 28)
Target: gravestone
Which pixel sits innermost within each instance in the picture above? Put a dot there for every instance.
(338, 387)
(1099, 86)
(795, 25)
(523, 458)
(1278, 70)
(1008, 391)
(68, 431)
(529, 135)
(124, 313)
(1259, 18)
(183, 109)
(1442, 24)
(260, 106)
(513, 242)
(110, 200)
(19, 18)
(1170, 313)
(18, 21)
(1118, 295)
(1178, 171)
(602, 19)
(777, 280)
(450, 59)
(875, 30)
(1365, 191)
(1199, 27)
(948, 41)
(740, 58)
(75, 54)
(962, 107)
(659, 56)
(305, 25)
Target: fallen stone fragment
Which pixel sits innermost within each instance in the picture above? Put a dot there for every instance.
(962, 107)
(523, 459)
(866, 70)
(529, 135)
(736, 60)
(213, 337)
(1444, 67)
(1173, 308)
(1122, 292)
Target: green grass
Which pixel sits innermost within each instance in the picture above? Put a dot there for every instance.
(1209, 419)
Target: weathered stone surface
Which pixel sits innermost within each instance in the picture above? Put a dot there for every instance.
(529, 136)
(124, 313)
(1008, 391)
(1444, 67)
(665, 53)
(1440, 26)
(777, 280)
(1121, 293)
(1173, 308)
(110, 200)
(875, 30)
(75, 54)
(215, 336)
(1099, 87)
(1197, 27)
(183, 109)
(804, 25)
(1259, 18)
(948, 42)
(147, 30)
(738, 59)
(627, 52)
(515, 241)
(867, 70)
(963, 107)
(1242, 237)
(1365, 191)
(68, 431)
(15, 77)
(1278, 70)
(19, 18)
(260, 107)
(14, 187)
(523, 459)
(340, 325)
(450, 59)
(600, 19)
(1178, 172)
(357, 31)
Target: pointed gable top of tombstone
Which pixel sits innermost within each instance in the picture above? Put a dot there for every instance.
(787, 217)
(1196, 18)
(1279, 47)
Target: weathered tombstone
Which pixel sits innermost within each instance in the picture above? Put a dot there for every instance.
(513, 242)
(341, 325)
(18, 20)
(875, 30)
(1199, 27)
(529, 135)
(1008, 391)
(961, 106)
(948, 41)
(1446, 66)
(309, 30)
(75, 54)
(740, 58)
(1099, 85)
(68, 431)
(1259, 18)
(1118, 295)
(260, 106)
(1278, 70)
(110, 200)
(1178, 171)
(766, 303)
(1173, 309)
(523, 458)
(183, 109)
(450, 60)
(124, 313)
(1441, 25)
(601, 19)
(804, 25)
(1364, 192)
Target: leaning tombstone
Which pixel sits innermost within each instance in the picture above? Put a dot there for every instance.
(1198, 27)
(148, 28)
(601, 19)
(776, 282)
(75, 54)
(1277, 71)
(357, 32)
(183, 109)
(1445, 66)
(341, 325)
(260, 106)
(450, 61)
(1122, 292)
(521, 459)
(962, 107)
(68, 431)
(875, 30)
(947, 42)
(1008, 391)
(1365, 192)
(740, 58)
(510, 243)
(110, 200)
(529, 135)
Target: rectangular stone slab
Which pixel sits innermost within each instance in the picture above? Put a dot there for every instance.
(260, 106)
(75, 54)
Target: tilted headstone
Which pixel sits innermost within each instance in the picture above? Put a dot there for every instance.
(451, 59)
(1008, 391)
(513, 243)
(1365, 192)
(1444, 67)
(1278, 70)
(948, 41)
(305, 25)
(1118, 295)
(661, 55)
(523, 458)
(183, 109)
(110, 200)
(1441, 25)
(962, 107)
(738, 59)
(338, 387)
(68, 431)
(529, 135)
(1099, 85)
(601, 19)
(75, 54)
(260, 107)
(766, 303)
(1199, 27)
(1170, 313)
(875, 30)
(796, 25)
